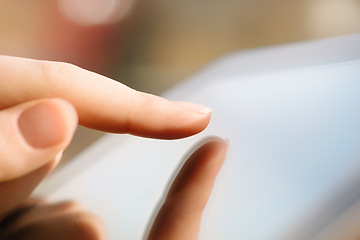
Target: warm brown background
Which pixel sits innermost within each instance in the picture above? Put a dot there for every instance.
(162, 42)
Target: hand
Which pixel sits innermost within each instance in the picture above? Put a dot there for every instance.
(178, 218)
(41, 104)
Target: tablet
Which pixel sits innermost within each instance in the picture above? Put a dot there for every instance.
(292, 115)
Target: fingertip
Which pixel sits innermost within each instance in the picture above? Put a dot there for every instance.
(48, 123)
(35, 132)
(200, 114)
(163, 119)
(69, 116)
(214, 141)
(201, 166)
(180, 215)
(191, 119)
(194, 107)
(218, 146)
(195, 124)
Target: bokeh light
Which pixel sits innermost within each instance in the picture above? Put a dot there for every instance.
(95, 12)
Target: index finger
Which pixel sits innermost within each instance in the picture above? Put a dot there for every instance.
(102, 103)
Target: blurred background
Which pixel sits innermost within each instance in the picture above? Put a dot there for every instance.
(151, 45)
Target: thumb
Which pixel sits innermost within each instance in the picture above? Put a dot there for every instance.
(32, 134)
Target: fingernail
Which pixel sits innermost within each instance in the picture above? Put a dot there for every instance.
(195, 107)
(227, 141)
(45, 124)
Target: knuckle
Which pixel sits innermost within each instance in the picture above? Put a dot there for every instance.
(69, 206)
(88, 225)
(55, 72)
(50, 68)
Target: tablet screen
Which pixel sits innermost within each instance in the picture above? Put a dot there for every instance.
(295, 138)
(293, 160)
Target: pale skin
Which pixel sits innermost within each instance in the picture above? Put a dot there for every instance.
(42, 102)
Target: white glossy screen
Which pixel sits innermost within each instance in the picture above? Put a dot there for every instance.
(294, 136)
